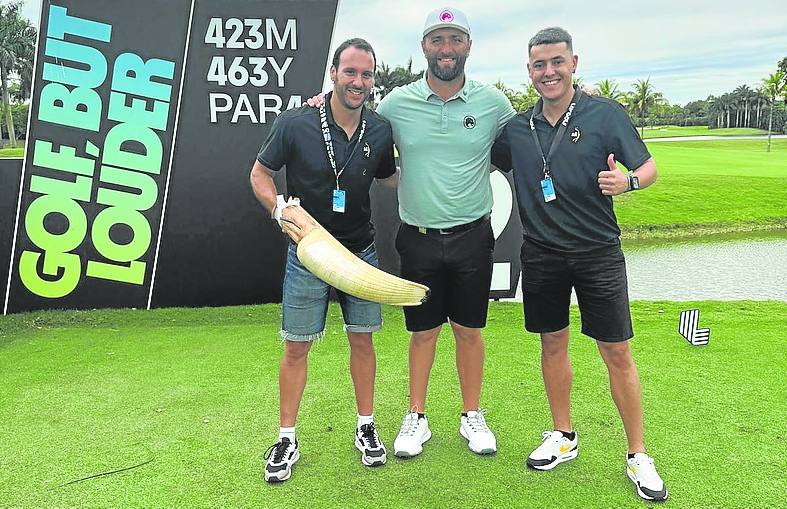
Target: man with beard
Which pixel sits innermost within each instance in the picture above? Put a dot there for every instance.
(444, 126)
(562, 152)
(332, 155)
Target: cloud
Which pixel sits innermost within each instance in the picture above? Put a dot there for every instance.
(689, 49)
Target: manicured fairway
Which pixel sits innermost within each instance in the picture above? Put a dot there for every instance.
(669, 131)
(709, 186)
(17, 152)
(195, 392)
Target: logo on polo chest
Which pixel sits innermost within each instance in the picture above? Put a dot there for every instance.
(575, 135)
(469, 122)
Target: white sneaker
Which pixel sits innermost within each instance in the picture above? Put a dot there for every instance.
(480, 438)
(413, 433)
(281, 457)
(642, 473)
(368, 442)
(554, 450)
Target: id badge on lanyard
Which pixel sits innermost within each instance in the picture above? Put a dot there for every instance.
(548, 189)
(339, 196)
(547, 186)
(338, 200)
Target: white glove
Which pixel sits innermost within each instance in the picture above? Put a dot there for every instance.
(281, 205)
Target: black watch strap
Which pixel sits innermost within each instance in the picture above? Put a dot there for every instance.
(633, 182)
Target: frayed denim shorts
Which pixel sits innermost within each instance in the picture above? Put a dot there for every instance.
(305, 302)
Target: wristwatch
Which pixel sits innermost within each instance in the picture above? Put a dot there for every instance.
(633, 182)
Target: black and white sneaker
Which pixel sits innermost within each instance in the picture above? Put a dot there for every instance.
(555, 449)
(642, 472)
(281, 457)
(368, 442)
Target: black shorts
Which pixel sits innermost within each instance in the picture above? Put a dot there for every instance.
(600, 283)
(457, 268)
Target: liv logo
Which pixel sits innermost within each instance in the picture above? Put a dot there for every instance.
(688, 328)
(446, 16)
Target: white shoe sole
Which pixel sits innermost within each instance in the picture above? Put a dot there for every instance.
(483, 451)
(272, 478)
(372, 462)
(641, 493)
(410, 454)
(560, 459)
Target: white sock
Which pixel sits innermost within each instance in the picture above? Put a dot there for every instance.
(364, 419)
(287, 433)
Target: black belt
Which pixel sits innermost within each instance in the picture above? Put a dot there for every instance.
(453, 229)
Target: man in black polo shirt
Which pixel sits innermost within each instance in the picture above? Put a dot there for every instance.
(562, 152)
(332, 155)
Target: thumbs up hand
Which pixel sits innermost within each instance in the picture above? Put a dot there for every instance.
(612, 181)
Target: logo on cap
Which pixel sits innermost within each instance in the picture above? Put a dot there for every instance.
(446, 16)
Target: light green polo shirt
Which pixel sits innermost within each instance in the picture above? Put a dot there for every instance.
(444, 150)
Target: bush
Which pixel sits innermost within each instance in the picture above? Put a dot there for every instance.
(19, 114)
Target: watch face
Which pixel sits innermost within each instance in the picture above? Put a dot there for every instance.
(634, 182)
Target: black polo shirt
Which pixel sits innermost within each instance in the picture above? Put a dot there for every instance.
(581, 219)
(296, 141)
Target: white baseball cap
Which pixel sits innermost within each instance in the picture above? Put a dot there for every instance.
(446, 17)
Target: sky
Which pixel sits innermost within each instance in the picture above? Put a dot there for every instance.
(690, 49)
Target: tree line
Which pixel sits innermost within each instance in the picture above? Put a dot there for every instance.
(761, 108)
(17, 53)
(764, 107)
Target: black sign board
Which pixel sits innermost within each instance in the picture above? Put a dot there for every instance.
(146, 118)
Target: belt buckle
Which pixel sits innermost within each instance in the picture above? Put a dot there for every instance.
(422, 230)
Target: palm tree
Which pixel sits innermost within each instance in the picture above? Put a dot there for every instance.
(714, 112)
(773, 87)
(745, 95)
(736, 106)
(725, 104)
(530, 96)
(382, 81)
(641, 99)
(386, 79)
(506, 91)
(760, 99)
(520, 101)
(17, 46)
(608, 88)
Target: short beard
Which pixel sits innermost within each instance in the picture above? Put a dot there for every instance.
(447, 74)
(340, 91)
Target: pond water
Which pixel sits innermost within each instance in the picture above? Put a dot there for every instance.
(731, 267)
(725, 267)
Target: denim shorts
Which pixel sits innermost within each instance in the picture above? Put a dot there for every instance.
(305, 302)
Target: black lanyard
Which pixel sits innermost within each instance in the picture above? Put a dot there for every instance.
(326, 135)
(558, 137)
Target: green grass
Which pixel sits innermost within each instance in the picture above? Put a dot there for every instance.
(669, 131)
(195, 390)
(709, 187)
(17, 152)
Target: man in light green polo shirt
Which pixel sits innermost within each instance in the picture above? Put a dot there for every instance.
(444, 126)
